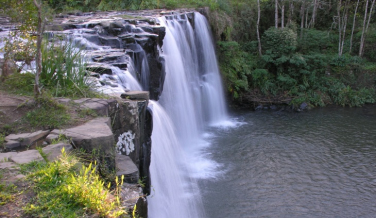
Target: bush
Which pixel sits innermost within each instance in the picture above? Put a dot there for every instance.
(65, 190)
(63, 70)
(235, 67)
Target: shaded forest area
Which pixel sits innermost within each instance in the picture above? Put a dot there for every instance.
(277, 51)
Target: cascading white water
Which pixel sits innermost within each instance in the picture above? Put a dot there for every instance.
(172, 196)
(192, 98)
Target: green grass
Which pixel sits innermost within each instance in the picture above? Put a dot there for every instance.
(2, 140)
(6, 192)
(67, 188)
(48, 114)
(20, 84)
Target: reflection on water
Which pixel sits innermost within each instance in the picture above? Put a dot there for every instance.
(316, 164)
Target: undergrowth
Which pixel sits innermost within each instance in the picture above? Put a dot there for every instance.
(7, 192)
(67, 188)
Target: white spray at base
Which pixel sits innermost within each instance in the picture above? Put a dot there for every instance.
(192, 99)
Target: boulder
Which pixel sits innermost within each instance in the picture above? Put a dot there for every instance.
(125, 167)
(95, 135)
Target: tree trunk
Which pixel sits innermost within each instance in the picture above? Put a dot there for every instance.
(283, 15)
(306, 18)
(315, 5)
(276, 14)
(343, 26)
(302, 10)
(339, 27)
(258, 24)
(365, 34)
(353, 26)
(291, 12)
(38, 58)
(363, 30)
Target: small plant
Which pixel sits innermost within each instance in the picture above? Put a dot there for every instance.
(6, 192)
(43, 154)
(2, 140)
(67, 188)
(60, 138)
(63, 70)
(87, 112)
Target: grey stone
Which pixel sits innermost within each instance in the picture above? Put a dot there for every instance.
(126, 167)
(135, 95)
(93, 135)
(303, 106)
(64, 100)
(11, 144)
(4, 157)
(100, 68)
(54, 151)
(81, 100)
(26, 157)
(27, 139)
(51, 137)
(7, 165)
(130, 194)
(100, 109)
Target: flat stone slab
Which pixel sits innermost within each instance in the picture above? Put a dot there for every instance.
(135, 95)
(93, 135)
(26, 157)
(54, 151)
(7, 165)
(51, 137)
(4, 157)
(126, 167)
(26, 139)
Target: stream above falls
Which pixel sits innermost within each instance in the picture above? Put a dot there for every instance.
(279, 164)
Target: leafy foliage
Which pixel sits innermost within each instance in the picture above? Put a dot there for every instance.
(66, 188)
(63, 70)
(235, 66)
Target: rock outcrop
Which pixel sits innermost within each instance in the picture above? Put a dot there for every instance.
(118, 39)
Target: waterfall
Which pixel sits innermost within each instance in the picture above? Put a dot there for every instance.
(172, 195)
(192, 98)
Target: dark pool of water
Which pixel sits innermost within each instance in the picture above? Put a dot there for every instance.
(320, 163)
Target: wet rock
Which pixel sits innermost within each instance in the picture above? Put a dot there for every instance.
(259, 107)
(303, 106)
(114, 42)
(99, 68)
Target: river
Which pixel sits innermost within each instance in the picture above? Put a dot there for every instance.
(320, 163)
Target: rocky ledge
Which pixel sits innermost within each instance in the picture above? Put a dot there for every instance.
(121, 135)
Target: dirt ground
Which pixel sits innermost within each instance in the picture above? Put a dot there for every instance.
(10, 108)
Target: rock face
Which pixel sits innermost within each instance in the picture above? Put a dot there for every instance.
(118, 39)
